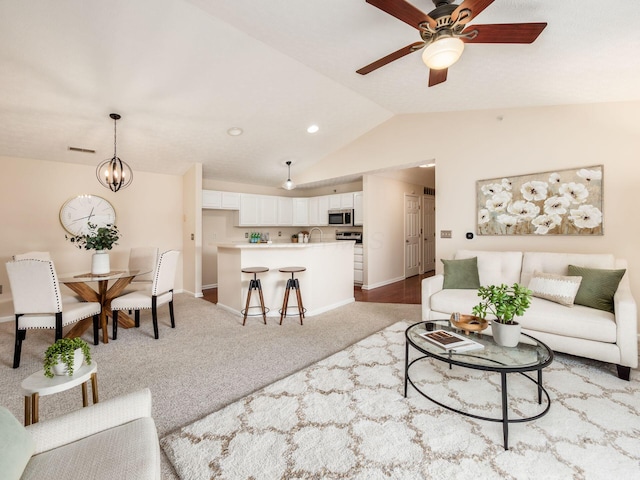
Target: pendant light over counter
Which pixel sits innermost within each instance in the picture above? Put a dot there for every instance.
(114, 173)
(289, 185)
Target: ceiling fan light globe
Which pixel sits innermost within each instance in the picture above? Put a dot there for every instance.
(288, 185)
(443, 53)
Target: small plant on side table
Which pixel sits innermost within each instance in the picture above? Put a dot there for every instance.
(503, 301)
(62, 351)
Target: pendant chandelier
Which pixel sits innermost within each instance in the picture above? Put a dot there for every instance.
(289, 185)
(114, 173)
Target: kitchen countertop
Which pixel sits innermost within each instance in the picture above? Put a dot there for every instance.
(282, 244)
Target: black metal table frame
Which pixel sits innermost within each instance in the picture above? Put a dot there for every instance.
(503, 380)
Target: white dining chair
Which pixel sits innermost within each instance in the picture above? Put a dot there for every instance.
(161, 292)
(143, 259)
(35, 255)
(37, 302)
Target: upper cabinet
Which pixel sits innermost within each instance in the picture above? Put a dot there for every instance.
(341, 200)
(358, 213)
(220, 200)
(285, 211)
(300, 212)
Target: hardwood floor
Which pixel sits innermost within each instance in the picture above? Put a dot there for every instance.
(405, 291)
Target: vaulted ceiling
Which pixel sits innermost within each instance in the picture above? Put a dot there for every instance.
(182, 72)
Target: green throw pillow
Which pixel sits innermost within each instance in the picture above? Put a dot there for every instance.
(461, 274)
(598, 286)
(16, 446)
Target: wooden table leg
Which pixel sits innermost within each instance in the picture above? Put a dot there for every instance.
(27, 410)
(35, 408)
(94, 387)
(84, 394)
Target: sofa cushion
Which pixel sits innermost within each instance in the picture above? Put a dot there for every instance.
(556, 288)
(495, 268)
(461, 273)
(16, 446)
(558, 263)
(449, 301)
(128, 451)
(598, 286)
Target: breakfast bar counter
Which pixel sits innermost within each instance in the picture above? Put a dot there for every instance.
(327, 282)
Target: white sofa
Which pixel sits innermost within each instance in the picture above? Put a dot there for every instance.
(576, 330)
(109, 440)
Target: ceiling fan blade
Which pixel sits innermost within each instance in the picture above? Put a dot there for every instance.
(437, 76)
(476, 7)
(404, 11)
(390, 58)
(504, 33)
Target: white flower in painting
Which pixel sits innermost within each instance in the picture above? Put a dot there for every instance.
(491, 188)
(575, 192)
(544, 223)
(483, 216)
(523, 209)
(554, 179)
(556, 205)
(506, 184)
(499, 202)
(508, 220)
(586, 216)
(589, 175)
(534, 190)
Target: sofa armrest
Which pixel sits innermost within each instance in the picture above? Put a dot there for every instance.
(96, 418)
(430, 285)
(626, 312)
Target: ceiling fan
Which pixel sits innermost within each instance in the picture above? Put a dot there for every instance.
(444, 32)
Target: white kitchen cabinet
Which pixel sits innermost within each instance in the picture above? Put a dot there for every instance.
(215, 199)
(314, 214)
(358, 264)
(268, 210)
(334, 201)
(300, 212)
(341, 200)
(285, 211)
(249, 214)
(358, 213)
(323, 210)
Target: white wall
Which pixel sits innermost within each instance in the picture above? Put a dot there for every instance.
(475, 145)
(148, 213)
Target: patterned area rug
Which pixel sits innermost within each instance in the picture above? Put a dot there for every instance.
(346, 417)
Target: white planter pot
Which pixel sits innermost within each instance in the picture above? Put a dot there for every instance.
(61, 369)
(100, 263)
(506, 335)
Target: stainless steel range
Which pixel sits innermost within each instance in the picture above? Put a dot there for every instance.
(357, 236)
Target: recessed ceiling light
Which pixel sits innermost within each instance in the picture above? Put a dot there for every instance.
(313, 128)
(235, 131)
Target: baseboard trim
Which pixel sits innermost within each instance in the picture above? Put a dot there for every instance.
(382, 284)
(292, 308)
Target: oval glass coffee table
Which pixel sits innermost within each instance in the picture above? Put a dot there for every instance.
(528, 356)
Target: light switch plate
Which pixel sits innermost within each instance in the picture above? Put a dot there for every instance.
(445, 233)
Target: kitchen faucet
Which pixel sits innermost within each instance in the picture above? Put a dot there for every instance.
(311, 231)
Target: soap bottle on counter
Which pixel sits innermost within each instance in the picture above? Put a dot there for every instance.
(300, 237)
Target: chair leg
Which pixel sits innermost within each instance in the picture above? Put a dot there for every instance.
(154, 316)
(173, 320)
(20, 336)
(115, 325)
(96, 328)
(137, 318)
(624, 373)
(285, 302)
(58, 325)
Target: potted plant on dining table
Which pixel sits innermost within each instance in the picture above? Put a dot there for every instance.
(99, 239)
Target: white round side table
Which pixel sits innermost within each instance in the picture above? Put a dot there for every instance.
(37, 385)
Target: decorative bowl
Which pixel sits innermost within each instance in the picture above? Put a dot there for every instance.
(468, 323)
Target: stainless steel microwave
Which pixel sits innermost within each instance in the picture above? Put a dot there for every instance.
(342, 217)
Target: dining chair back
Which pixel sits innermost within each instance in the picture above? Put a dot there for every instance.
(37, 302)
(32, 256)
(161, 292)
(143, 259)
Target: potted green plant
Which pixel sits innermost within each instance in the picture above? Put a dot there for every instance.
(504, 303)
(65, 356)
(98, 239)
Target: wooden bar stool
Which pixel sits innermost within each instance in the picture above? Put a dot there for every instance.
(292, 284)
(255, 284)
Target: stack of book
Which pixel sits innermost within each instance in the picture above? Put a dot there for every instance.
(451, 341)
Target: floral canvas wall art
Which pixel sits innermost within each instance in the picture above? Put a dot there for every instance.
(560, 202)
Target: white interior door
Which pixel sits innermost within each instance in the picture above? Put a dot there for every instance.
(429, 232)
(411, 235)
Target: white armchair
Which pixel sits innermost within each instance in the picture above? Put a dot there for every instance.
(112, 439)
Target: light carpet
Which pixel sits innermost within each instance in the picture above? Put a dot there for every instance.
(346, 417)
